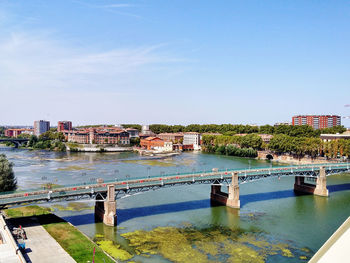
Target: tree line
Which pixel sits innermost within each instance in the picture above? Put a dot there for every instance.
(280, 144)
(49, 140)
(232, 129)
(231, 150)
(301, 146)
(242, 146)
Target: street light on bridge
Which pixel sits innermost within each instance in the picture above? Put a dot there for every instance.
(115, 174)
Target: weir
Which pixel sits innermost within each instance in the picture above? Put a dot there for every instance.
(319, 189)
(230, 199)
(106, 208)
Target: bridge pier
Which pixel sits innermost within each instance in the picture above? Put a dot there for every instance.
(106, 209)
(230, 199)
(319, 189)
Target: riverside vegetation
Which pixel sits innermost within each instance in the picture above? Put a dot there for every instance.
(50, 140)
(230, 129)
(8, 181)
(299, 146)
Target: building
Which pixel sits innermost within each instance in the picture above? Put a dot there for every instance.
(282, 123)
(64, 126)
(266, 138)
(332, 137)
(151, 143)
(317, 121)
(133, 133)
(40, 127)
(100, 135)
(171, 137)
(167, 147)
(191, 138)
(145, 130)
(15, 132)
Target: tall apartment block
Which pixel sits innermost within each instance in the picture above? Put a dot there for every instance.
(64, 126)
(317, 121)
(41, 127)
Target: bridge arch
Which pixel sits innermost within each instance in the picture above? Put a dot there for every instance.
(269, 156)
(16, 141)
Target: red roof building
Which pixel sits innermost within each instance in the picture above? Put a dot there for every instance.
(151, 142)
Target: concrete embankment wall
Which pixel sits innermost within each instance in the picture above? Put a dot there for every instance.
(102, 149)
(5, 230)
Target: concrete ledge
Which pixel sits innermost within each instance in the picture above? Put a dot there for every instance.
(10, 250)
(336, 248)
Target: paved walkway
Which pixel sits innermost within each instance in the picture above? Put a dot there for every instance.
(41, 247)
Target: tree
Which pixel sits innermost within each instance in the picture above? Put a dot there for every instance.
(251, 141)
(266, 129)
(135, 141)
(2, 131)
(32, 141)
(8, 181)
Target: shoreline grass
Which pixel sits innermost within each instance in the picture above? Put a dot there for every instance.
(74, 242)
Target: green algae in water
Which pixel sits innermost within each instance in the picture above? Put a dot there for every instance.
(114, 250)
(212, 244)
(160, 163)
(73, 168)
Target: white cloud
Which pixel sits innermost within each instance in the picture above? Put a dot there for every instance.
(118, 5)
(36, 61)
(51, 79)
(112, 8)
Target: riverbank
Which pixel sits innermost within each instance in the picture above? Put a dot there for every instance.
(75, 147)
(155, 154)
(75, 243)
(288, 159)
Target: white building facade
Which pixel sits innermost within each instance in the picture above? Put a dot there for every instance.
(192, 138)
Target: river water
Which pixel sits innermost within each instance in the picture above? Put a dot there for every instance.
(269, 207)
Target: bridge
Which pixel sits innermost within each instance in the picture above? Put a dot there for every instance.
(106, 193)
(17, 141)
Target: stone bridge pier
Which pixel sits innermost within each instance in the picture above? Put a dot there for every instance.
(319, 189)
(231, 198)
(106, 208)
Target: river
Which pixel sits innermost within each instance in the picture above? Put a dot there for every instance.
(273, 221)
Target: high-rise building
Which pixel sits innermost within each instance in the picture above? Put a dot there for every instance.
(317, 121)
(41, 127)
(64, 126)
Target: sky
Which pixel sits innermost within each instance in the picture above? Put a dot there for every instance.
(173, 62)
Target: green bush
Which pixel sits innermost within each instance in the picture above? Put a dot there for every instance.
(8, 181)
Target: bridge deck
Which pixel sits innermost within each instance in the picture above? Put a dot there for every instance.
(148, 183)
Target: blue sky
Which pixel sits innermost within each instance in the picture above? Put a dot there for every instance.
(173, 62)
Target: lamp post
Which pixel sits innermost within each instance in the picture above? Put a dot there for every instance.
(148, 169)
(116, 171)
